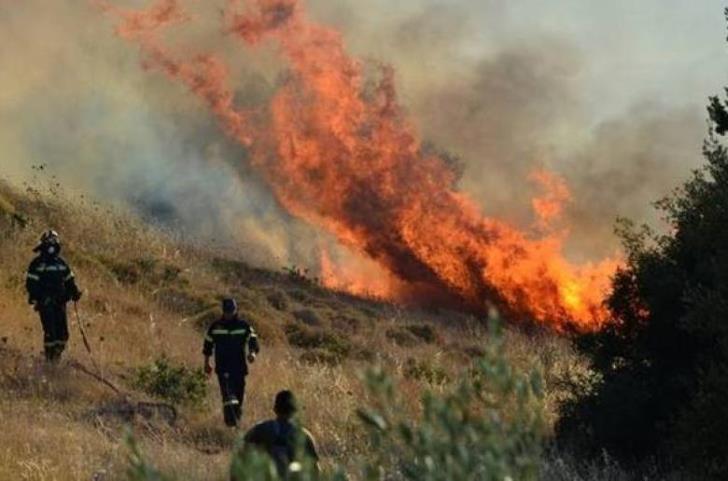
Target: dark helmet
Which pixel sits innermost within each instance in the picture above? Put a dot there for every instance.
(285, 403)
(50, 243)
(229, 306)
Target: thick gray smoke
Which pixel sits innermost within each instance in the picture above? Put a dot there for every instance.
(594, 92)
(73, 97)
(503, 97)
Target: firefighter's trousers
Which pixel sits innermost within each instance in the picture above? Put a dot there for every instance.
(55, 329)
(232, 389)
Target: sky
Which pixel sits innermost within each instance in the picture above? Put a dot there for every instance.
(671, 51)
(668, 50)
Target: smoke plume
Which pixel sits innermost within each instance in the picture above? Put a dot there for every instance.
(77, 100)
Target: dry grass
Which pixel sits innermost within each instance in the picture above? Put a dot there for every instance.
(146, 295)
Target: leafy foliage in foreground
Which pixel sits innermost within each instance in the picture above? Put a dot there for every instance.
(489, 427)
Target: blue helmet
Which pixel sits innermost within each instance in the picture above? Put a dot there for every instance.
(229, 306)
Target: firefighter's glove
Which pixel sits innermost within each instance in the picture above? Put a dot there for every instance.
(208, 369)
(76, 296)
(251, 358)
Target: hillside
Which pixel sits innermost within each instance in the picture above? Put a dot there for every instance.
(148, 295)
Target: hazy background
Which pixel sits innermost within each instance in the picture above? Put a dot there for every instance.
(609, 95)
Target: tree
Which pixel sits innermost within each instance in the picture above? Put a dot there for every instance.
(663, 362)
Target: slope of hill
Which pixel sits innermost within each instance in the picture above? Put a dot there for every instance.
(148, 295)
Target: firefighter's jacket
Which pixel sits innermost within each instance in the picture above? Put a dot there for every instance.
(50, 279)
(231, 341)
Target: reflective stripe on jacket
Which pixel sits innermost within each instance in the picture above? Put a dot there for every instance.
(50, 278)
(230, 341)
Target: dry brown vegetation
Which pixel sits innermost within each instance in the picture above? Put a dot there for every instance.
(147, 295)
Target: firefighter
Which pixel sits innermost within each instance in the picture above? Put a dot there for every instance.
(51, 285)
(288, 444)
(235, 345)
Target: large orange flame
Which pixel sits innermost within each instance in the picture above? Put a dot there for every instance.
(339, 152)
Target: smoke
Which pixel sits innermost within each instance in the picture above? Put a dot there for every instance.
(76, 101)
(492, 84)
(503, 101)
(626, 165)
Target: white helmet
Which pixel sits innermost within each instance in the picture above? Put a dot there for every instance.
(50, 242)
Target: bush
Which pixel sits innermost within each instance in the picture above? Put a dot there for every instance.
(278, 300)
(317, 339)
(308, 317)
(176, 384)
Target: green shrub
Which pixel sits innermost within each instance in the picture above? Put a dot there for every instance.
(176, 384)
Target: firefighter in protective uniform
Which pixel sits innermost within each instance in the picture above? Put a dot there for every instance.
(234, 344)
(288, 444)
(51, 285)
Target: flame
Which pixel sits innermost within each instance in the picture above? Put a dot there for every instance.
(550, 206)
(357, 277)
(339, 152)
